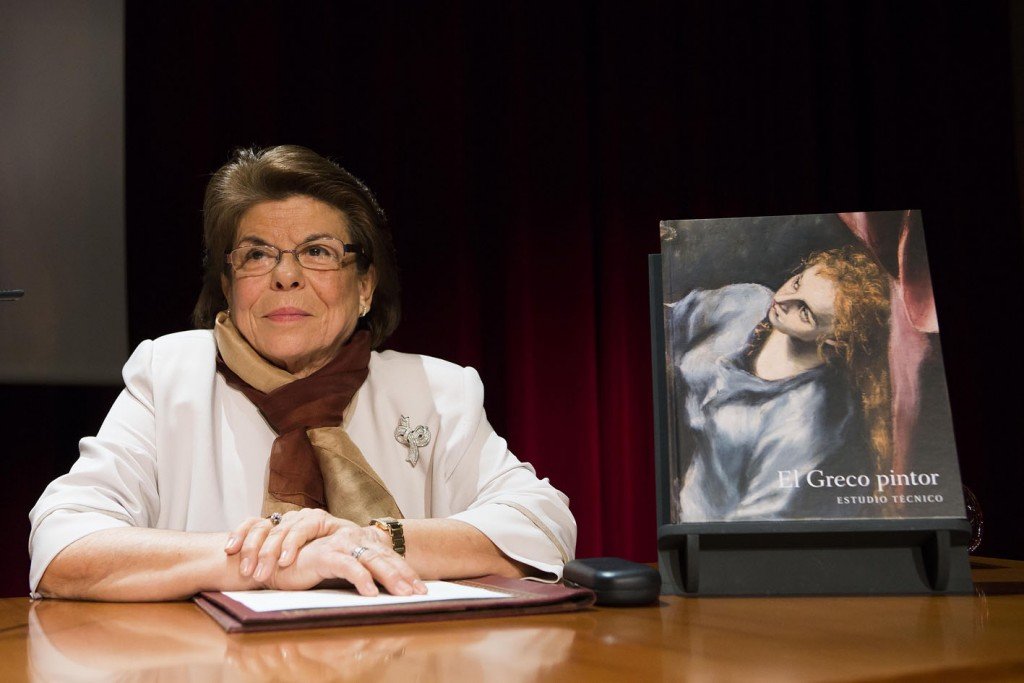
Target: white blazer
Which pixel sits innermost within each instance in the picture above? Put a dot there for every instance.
(182, 450)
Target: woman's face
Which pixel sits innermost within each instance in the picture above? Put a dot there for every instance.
(296, 318)
(804, 307)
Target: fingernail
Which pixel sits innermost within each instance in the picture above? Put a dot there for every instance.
(244, 568)
(285, 554)
(420, 587)
(260, 569)
(403, 588)
(231, 542)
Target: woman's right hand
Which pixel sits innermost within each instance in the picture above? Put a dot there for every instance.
(310, 545)
(261, 544)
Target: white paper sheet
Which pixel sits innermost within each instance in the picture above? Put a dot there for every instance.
(271, 601)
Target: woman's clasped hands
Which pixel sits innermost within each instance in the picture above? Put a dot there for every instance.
(309, 546)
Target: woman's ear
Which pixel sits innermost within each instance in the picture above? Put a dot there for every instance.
(367, 284)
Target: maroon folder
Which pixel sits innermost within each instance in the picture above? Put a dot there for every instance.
(528, 597)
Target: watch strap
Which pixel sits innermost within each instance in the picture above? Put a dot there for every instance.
(394, 529)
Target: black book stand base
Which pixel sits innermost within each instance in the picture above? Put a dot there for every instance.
(816, 557)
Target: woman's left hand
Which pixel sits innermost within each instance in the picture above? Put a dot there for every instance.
(266, 547)
(355, 555)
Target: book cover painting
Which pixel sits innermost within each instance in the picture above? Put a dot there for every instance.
(805, 376)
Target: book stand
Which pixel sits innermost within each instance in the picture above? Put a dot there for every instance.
(795, 557)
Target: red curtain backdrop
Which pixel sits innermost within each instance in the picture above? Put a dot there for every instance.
(525, 153)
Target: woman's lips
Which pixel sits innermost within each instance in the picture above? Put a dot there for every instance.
(286, 315)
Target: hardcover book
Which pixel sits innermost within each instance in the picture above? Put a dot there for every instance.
(804, 371)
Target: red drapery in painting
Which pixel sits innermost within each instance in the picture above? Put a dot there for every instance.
(895, 238)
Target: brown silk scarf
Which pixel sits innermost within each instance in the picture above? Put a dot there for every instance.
(313, 462)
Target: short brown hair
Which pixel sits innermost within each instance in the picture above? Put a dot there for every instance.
(275, 173)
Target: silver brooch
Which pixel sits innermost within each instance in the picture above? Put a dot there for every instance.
(412, 438)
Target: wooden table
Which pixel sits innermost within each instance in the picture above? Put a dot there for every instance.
(979, 637)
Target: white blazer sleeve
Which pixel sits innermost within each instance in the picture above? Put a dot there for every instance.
(112, 484)
(526, 517)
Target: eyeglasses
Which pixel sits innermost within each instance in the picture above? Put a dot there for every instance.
(325, 253)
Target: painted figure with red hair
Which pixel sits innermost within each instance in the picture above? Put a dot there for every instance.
(784, 388)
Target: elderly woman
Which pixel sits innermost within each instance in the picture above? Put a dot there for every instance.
(279, 449)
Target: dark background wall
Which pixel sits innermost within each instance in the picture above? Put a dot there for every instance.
(525, 154)
(62, 132)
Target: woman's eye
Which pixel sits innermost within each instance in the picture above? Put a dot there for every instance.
(256, 254)
(319, 252)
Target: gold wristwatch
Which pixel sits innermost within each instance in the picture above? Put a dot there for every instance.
(393, 528)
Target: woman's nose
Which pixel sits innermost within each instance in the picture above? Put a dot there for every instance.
(287, 274)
